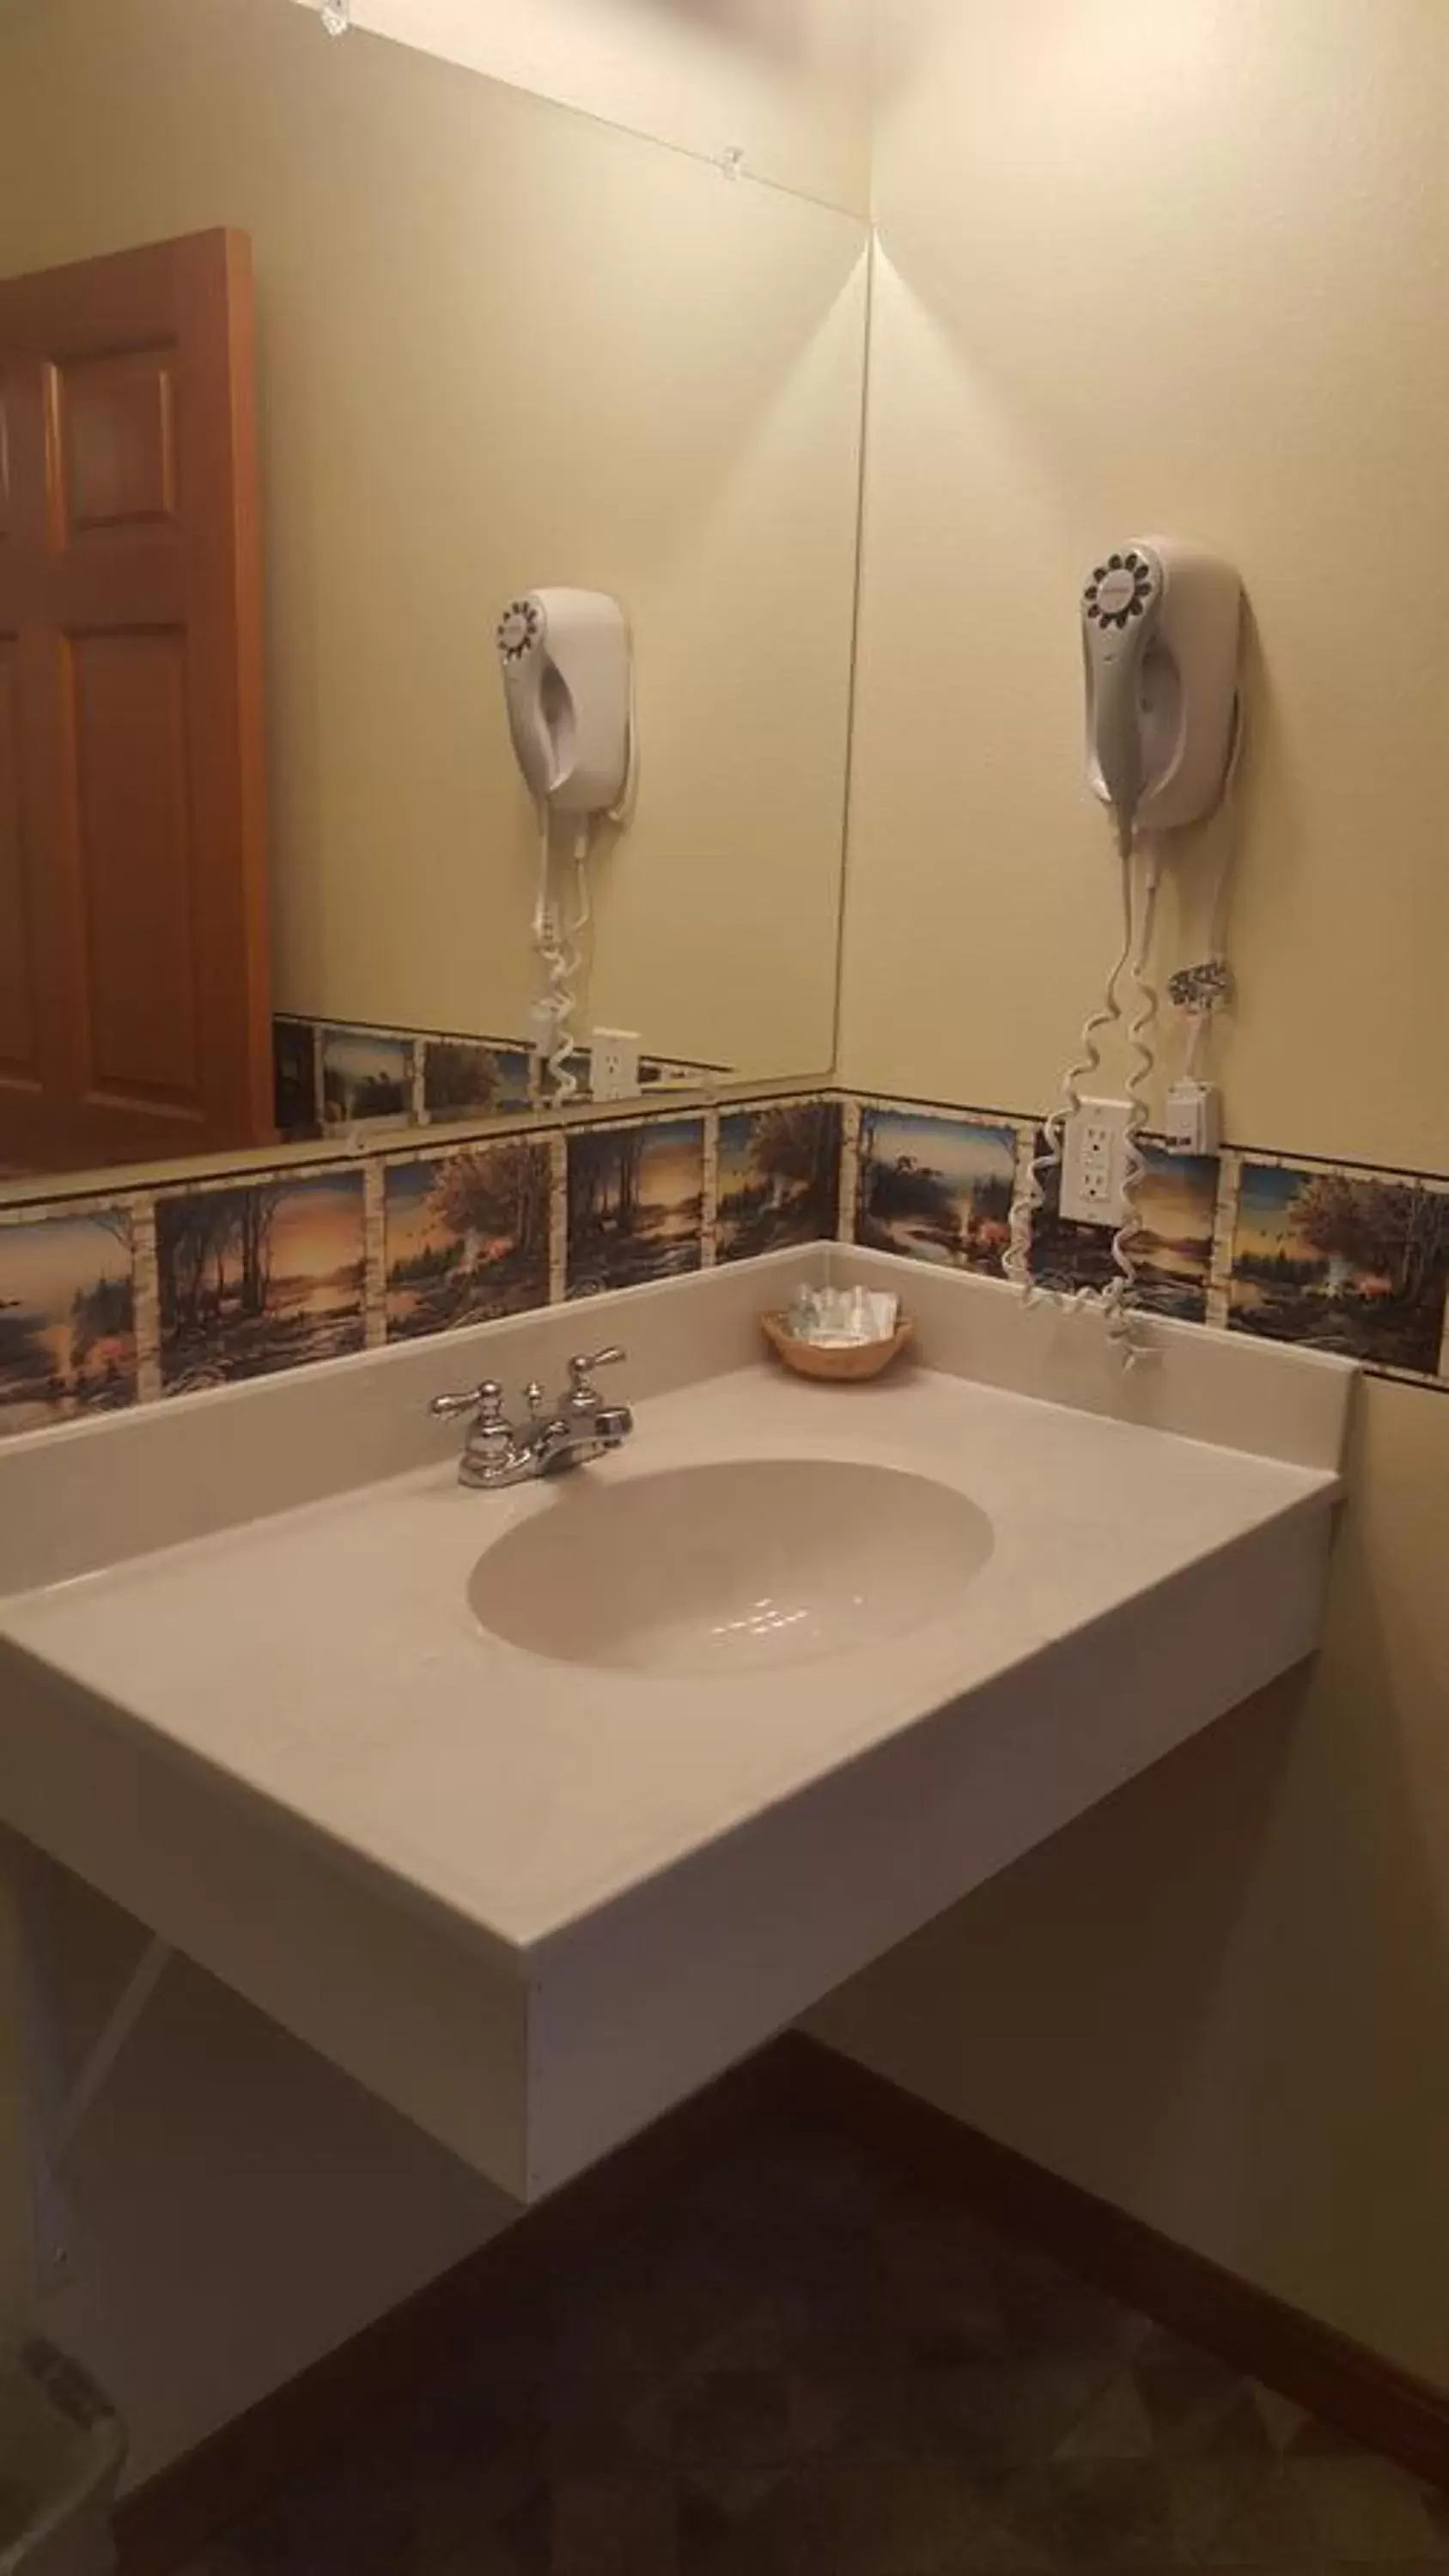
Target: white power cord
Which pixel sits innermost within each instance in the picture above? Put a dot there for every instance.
(554, 1011)
(1119, 1299)
(1202, 989)
(1116, 1302)
(562, 955)
(578, 927)
(1031, 1196)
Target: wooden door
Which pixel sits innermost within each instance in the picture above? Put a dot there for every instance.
(134, 1003)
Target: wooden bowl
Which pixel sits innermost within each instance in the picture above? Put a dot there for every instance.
(850, 1365)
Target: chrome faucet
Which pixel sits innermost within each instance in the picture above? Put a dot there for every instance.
(577, 1427)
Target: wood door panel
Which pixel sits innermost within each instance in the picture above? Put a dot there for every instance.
(135, 851)
(19, 1015)
(31, 495)
(130, 579)
(4, 454)
(118, 440)
(59, 594)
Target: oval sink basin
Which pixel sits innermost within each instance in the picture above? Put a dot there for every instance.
(730, 1568)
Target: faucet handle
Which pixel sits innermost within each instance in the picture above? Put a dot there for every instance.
(485, 1400)
(583, 1396)
(581, 1370)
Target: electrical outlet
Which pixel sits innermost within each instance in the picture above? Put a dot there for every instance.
(614, 1055)
(1094, 1158)
(1193, 1122)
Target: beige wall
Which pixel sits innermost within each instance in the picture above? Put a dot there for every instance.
(1180, 268)
(783, 81)
(1220, 2001)
(1150, 267)
(236, 2205)
(501, 344)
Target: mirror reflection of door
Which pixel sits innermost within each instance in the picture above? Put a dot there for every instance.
(134, 1001)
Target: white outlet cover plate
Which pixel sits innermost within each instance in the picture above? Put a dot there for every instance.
(614, 1061)
(1094, 1156)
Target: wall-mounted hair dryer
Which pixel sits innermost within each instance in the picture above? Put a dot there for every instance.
(1161, 629)
(565, 658)
(568, 689)
(1160, 634)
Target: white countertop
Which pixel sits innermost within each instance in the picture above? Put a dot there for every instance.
(533, 1902)
(328, 1659)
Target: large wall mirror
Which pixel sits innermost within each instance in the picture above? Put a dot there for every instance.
(490, 346)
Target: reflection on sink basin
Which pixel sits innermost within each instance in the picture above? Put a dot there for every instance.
(730, 1568)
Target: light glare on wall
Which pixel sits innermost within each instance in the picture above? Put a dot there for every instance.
(1159, 46)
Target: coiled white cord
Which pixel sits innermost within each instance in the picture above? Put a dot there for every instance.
(563, 953)
(578, 928)
(1116, 1302)
(1031, 1195)
(1119, 1298)
(1202, 989)
(562, 956)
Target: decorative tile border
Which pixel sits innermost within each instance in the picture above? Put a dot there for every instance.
(1177, 1210)
(636, 1203)
(146, 1299)
(558, 1219)
(778, 1177)
(852, 1116)
(374, 1220)
(296, 1077)
(466, 1236)
(1225, 1217)
(365, 1077)
(1343, 1259)
(128, 1296)
(935, 1187)
(332, 1075)
(266, 1277)
(135, 1295)
(1339, 1257)
(68, 1341)
(470, 1078)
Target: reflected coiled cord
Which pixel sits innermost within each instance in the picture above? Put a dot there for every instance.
(562, 956)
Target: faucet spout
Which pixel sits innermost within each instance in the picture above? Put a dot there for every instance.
(561, 1444)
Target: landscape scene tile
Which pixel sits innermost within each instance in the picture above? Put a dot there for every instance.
(365, 1076)
(935, 1187)
(1352, 1264)
(257, 1279)
(635, 1204)
(467, 1237)
(779, 1177)
(67, 1322)
(471, 1077)
(1172, 1250)
(294, 1077)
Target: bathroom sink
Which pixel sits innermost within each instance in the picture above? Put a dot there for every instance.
(565, 1797)
(730, 1568)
